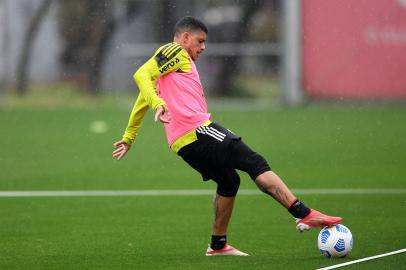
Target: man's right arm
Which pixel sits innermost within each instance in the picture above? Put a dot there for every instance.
(145, 78)
(168, 58)
(135, 121)
(122, 146)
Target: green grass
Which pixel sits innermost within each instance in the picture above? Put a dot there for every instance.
(316, 146)
(172, 232)
(310, 147)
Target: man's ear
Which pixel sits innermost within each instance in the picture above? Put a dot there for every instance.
(185, 36)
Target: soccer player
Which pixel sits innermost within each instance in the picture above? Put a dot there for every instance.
(169, 83)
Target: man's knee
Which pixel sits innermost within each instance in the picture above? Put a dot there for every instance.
(247, 160)
(230, 187)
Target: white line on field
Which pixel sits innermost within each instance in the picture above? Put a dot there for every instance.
(182, 192)
(364, 259)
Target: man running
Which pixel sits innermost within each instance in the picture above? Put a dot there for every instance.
(169, 83)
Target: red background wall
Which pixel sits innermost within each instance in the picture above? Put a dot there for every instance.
(354, 48)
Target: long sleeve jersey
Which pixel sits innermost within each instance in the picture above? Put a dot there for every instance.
(170, 78)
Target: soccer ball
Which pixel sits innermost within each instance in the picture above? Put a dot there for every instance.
(335, 241)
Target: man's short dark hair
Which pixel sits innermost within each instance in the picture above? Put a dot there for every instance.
(189, 24)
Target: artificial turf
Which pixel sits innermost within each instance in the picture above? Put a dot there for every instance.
(311, 147)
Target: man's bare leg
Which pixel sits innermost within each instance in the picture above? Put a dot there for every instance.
(270, 183)
(223, 208)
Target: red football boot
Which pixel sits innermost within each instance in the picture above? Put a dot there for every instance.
(316, 219)
(227, 250)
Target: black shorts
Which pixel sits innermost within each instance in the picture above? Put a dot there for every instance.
(218, 152)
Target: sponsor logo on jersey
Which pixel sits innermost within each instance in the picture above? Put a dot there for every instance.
(169, 65)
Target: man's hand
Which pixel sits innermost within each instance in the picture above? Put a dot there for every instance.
(120, 149)
(163, 115)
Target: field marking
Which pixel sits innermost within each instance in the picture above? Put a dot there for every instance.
(182, 192)
(364, 259)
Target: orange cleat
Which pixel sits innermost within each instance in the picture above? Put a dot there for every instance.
(316, 219)
(227, 250)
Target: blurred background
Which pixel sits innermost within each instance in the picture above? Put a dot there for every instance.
(95, 46)
(289, 51)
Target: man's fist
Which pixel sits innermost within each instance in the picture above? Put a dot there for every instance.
(163, 115)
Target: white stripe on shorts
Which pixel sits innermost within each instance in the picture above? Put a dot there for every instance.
(211, 132)
(204, 130)
(217, 132)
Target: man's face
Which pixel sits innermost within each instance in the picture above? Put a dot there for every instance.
(194, 43)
